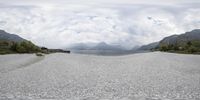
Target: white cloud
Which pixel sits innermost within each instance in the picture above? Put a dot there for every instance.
(127, 25)
(92, 2)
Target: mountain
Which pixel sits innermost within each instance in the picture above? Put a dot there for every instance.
(105, 46)
(177, 39)
(188, 42)
(149, 46)
(10, 37)
(169, 40)
(11, 43)
(95, 46)
(80, 46)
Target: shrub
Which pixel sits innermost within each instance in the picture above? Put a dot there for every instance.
(182, 47)
(39, 54)
(20, 48)
(191, 50)
(25, 47)
(164, 48)
(196, 44)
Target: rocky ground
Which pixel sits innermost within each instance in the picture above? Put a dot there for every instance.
(144, 76)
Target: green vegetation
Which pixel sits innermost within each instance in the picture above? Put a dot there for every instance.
(190, 47)
(25, 47)
(8, 47)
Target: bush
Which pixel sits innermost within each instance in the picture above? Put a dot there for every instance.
(192, 49)
(196, 44)
(39, 54)
(25, 47)
(18, 47)
(164, 48)
(183, 47)
(6, 51)
(21, 49)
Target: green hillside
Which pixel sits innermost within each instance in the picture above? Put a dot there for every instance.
(11, 43)
(188, 42)
(7, 47)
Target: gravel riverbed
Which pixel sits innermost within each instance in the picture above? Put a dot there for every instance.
(143, 76)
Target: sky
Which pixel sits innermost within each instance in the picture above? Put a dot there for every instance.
(129, 23)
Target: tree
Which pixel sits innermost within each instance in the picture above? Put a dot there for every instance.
(25, 47)
(14, 46)
(192, 49)
(189, 43)
(164, 48)
(20, 48)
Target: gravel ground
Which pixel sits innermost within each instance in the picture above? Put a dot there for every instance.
(144, 76)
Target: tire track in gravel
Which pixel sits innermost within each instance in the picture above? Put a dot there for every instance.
(26, 64)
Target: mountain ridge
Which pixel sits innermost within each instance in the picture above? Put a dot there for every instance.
(10, 37)
(187, 36)
(188, 42)
(96, 46)
(12, 43)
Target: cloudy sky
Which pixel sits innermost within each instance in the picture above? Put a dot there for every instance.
(62, 23)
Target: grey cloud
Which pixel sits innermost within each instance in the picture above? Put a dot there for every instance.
(99, 1)
(124, 24)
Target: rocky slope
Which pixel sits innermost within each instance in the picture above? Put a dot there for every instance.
(10, 37)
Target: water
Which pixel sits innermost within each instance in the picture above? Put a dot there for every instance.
(106, 52)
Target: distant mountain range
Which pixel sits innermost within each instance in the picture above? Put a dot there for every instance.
(96, 46)
(170, 40)
(81, 46)
(187, 42)
(149, 46)
(105, 46)
(10, 37)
